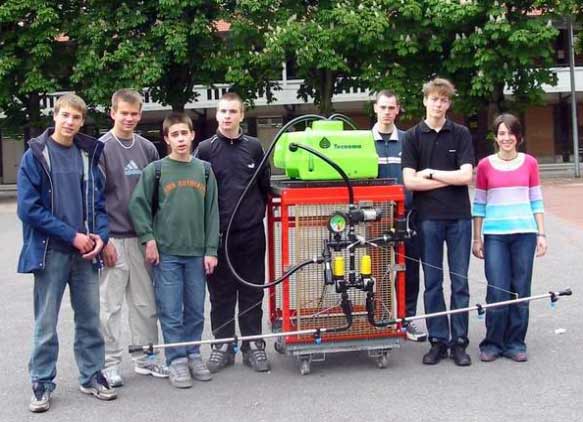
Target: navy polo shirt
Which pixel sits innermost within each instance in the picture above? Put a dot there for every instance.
(447, 149)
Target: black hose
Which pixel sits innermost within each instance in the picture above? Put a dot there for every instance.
(293, 146)
(293, 122)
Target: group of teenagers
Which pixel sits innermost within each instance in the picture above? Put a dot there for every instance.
(118, 225)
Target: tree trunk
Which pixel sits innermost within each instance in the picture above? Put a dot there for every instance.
(326, 92)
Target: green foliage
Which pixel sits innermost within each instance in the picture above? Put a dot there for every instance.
(167, 45)
(32, 60)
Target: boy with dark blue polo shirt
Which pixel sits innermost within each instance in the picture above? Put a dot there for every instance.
(388, 141)
(437, 163)
(62, 208)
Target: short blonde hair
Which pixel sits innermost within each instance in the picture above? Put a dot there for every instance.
(233, 96)
(440, 86)
(73, 101)
(129, 96)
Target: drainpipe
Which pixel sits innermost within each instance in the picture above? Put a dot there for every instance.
(573, 99)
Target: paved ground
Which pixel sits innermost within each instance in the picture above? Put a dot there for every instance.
(345, 387)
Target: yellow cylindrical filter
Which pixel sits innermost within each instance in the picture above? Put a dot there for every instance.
(338, 268)
(365, 265)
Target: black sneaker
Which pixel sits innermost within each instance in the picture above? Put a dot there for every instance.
(41, 398)
(459, 355)
(256, 357)
(99, 387)
(221, 357)
(437, 352)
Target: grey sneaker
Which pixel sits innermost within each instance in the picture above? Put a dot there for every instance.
(415, 334)
(112, 376)
(41, 399)
(151, 366)
(179, 374)
(256, 358)
(198, 369)
(220, 358)
(99, 387)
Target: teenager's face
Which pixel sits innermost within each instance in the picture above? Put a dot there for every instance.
(505, 139)
(387, 110)
(68, 122)
(436, 105)
(229, 115)
(180, 139)
(126, 116)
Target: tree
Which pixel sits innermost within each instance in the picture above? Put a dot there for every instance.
(34, 58)
(493, 46)
(166, 45)
(328, 42)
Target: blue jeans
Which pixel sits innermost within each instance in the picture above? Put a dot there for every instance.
(457, 236)
(64, 268)
(508, 262)
(180, 287)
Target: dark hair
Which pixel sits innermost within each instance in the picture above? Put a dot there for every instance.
(176, 118)
(512, 123)
(386, 93)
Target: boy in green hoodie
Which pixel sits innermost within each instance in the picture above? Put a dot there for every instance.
(181, 235)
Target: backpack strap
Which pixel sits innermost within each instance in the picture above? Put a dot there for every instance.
(155, 196)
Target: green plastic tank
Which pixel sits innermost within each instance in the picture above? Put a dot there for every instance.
(353, 150)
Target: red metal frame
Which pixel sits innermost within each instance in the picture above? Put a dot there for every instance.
(322, 195)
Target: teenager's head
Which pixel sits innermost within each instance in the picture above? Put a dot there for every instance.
(437, 97)
(387, 108)
(178, 133)
(126, 111)
(230, 113)
(507, 132)
(69, 116)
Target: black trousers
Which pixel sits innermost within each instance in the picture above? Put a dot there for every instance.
(247, 254)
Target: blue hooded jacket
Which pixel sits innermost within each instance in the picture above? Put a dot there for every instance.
(35, 200)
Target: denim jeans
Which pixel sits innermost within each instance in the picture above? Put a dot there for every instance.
(64, 268)
(508, 263)
(180, 287)
(457, 236)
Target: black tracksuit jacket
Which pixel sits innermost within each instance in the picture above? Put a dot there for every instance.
(234, 161)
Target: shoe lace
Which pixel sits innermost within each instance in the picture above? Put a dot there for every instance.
(259, 354)
(38, 391)
(181, 371)
(217, 355)
(101, 380)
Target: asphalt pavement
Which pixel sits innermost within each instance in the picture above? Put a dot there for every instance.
(345, 387)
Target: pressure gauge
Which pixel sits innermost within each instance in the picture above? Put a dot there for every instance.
(338, 222)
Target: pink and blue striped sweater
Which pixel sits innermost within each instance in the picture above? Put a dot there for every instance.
(508, 195)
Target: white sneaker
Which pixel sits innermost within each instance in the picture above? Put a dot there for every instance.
(151, 366)
(41, 399)
(112, 376)
(198, 368)
(180, 374)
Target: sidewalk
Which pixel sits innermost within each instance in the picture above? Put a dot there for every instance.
(564, 198)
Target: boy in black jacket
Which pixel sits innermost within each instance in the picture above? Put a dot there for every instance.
(234, 158)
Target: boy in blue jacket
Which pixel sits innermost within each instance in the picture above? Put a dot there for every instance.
(62, 208)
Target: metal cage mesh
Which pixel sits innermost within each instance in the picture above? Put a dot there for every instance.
(311, 302)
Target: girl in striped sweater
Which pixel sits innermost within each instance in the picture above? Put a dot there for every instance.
(508, 212)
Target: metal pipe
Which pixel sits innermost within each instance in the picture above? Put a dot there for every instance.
(150, 348)
(573, 98)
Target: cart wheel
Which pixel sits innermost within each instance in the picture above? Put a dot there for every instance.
(278, 346)
(383, 360)
(304, 366)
